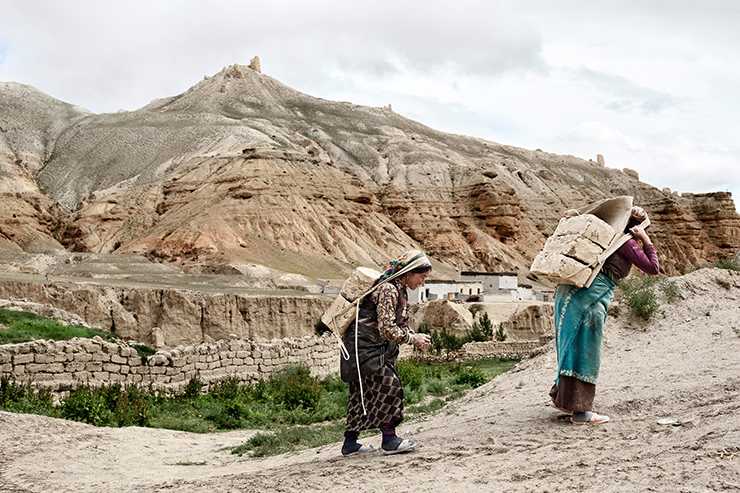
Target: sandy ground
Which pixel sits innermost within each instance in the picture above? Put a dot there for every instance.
(500, 437)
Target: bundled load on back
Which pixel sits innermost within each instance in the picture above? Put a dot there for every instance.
(342, 311)
(583, 240)
(345, 308)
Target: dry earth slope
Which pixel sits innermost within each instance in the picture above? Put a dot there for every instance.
(500, 437)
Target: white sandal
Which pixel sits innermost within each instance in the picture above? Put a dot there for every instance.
(402, 447)
(364, 449)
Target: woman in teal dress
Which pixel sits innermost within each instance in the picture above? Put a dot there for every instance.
(580, 315)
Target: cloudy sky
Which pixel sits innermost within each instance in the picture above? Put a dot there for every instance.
(652, 85)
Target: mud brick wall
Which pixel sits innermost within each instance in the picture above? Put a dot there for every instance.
(64, 365)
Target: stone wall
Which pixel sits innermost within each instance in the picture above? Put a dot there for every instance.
(496, 349)
(63, 365)
(60, 366)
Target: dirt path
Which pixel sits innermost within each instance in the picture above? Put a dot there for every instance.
(501, 437)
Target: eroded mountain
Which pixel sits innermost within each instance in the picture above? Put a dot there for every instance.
(243, 169)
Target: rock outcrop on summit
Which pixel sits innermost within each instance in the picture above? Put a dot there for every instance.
(241, 168)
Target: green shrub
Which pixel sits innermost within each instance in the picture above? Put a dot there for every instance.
(132, 408)
(228, 415)
(727, 263)
(23, 398)
(475, 334)
(500, 334)
(144, 352)
(670, 289)
(470, 375)
(227, 390)
(320, 327)
(295, 387)
(474, 309)
(110, 394)
(640, 297)
(412, 375)
(193, 389)
(87, 406)
(486, 325)
(11, 392)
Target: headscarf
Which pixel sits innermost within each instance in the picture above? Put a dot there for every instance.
(638, 214)
(413, 256)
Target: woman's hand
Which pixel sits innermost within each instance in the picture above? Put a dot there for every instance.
(422, 341)
(639, 234)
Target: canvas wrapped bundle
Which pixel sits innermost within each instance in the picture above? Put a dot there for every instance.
(342, 311)
(582, 242)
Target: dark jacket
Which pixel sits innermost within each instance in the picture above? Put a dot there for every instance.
(373, 350)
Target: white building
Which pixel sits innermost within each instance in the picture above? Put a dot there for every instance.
(433, 290)
(486, 286)
(524, 292)
(493, 282)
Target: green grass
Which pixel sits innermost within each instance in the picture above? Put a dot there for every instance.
(290, 439)
(295, 410)
(26, 327)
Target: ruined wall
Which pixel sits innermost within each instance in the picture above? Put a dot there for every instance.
(496, 349)
(63, 365)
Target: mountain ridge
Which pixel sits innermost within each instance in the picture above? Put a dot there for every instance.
(242, 168)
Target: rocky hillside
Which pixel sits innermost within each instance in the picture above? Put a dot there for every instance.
(243, 169)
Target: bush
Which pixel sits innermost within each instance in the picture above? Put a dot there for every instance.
(470, 375)
(23, 398)
(475, 334)
(226, 390)
(500, 334)
(727, 263)
(132, 408)
(11, 392)
(144, 351)
(87, 406)
(193, 389)
(474, 309)
(670, 289)
(295, 387)
(412, 375)
(640, 297)
(447, 342)
(320, 327)
(486, 326)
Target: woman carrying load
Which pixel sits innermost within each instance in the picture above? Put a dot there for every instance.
(376, 392)
(580, 314)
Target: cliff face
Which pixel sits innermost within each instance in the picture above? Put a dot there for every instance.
(184, 317)
(241, 168)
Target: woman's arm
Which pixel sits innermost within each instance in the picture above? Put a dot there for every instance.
(387, 301)
(644, 258)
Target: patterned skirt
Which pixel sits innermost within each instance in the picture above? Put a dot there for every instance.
(383, 400)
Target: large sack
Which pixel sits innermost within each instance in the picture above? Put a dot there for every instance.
(582, 242)
(342, 311)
